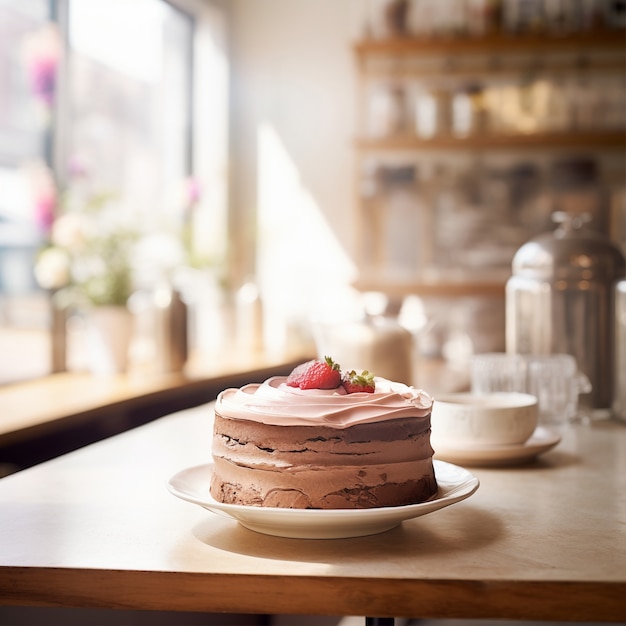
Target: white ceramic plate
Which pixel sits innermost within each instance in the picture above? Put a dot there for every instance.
(540, 441)
(192, 484)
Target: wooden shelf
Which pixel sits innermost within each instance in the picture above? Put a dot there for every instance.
(490, 44)
(495, 69)
(409, 58)
(444, 289)
(597, 139)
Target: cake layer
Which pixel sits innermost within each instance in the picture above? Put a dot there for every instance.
(253, 444)
(327, 487)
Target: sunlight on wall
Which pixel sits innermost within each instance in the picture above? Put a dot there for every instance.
(303, 271)
(211, 121)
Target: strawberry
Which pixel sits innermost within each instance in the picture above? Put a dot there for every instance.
(316, 374)
(358, 383)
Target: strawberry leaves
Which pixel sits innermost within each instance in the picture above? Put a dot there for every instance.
(358, 383)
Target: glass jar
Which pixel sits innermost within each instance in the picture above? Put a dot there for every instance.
(469, 111)
(387, 111)
(433, 112)
(560, 299)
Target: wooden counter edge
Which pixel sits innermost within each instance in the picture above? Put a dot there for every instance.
(172, 591)
(127, 396)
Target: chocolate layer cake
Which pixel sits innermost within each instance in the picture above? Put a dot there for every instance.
(279, 446)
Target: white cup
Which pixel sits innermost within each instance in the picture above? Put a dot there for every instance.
(468, 419)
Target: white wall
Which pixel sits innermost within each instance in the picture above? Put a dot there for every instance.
(293, 99)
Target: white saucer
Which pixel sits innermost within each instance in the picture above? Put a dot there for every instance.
(192, 484)
(540, 441)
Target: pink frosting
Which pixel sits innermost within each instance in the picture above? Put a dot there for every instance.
(274, 402)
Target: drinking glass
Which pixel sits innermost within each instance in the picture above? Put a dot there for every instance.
(553, 379)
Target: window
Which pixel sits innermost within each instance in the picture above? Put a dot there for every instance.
(128, 114)
(99, 98)
(24, 141)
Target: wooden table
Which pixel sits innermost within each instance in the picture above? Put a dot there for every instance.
(98, 528)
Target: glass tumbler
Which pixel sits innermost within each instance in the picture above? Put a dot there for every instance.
(556, 383)
(553, 379)
(497, 371)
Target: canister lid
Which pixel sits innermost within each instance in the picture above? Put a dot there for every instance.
(572, 252)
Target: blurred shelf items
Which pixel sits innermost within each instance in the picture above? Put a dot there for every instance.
(478, 120)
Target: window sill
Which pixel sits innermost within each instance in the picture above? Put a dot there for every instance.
(58, 413)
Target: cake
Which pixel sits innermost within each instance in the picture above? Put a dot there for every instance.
(351, 442)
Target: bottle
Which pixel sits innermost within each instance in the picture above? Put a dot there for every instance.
(249, 318)
(171, 328)
(560, 299)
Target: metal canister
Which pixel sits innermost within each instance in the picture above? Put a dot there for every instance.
(561, 299)
(619, 378)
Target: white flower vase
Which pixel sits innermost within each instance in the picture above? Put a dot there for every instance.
(109, 332)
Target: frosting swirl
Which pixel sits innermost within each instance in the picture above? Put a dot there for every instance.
(275, 402)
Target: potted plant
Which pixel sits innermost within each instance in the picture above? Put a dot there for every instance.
(88, 265)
